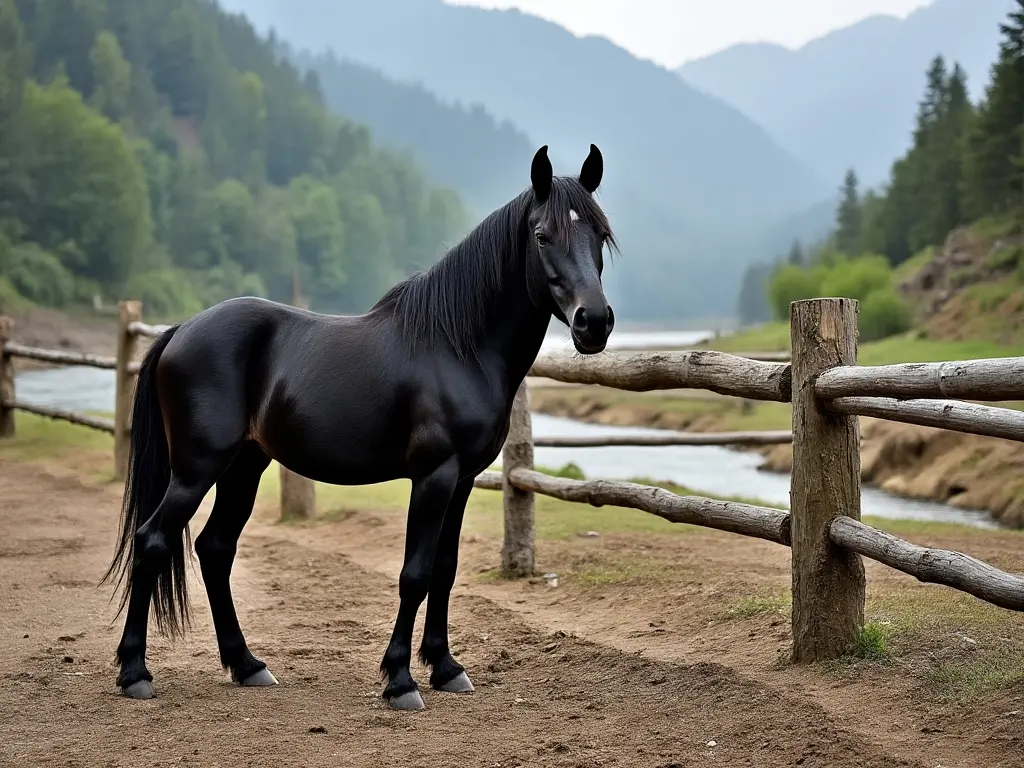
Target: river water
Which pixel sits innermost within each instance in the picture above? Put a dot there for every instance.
(711, 469)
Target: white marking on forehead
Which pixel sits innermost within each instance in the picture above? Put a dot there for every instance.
(573, 216)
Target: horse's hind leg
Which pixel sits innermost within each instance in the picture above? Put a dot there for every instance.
(159, 552)
(447, 674)
(216, 547)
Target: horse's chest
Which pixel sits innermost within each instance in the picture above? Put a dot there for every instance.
(481, 432)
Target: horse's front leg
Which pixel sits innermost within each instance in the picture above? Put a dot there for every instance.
(429, 500)
(447, 674)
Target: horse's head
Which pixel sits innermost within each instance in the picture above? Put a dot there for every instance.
(570, 232)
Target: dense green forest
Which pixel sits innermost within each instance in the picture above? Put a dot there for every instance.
(966, 164)
(465, 147)
(161, 149)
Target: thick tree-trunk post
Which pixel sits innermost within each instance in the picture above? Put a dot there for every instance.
(828, 581)
(124, 385)
(6, 379)
(517, 548)
(298, 493)
(298, 496)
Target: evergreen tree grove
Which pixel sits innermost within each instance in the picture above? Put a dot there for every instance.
(163, 150)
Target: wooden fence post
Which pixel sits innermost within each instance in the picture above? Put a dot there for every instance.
(517, 548)
(6, 379)
(828, 581)
(298, 493)
(124, 384)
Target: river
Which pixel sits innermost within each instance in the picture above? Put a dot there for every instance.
(711, 469)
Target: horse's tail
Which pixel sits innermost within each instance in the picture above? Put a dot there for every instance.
(149, 474)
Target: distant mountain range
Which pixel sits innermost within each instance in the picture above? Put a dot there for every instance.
(464, 147)
(848, 99)
(691, 183)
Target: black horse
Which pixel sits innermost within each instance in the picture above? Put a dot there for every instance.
(420, 387)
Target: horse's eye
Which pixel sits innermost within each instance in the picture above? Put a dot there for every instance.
(543, 239)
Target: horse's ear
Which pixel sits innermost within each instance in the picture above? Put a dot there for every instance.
(541, 174)
(593, 170)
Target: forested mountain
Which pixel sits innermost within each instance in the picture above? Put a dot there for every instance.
(689, 180)
(965, 165)
(840, 101)
(161, 149)
(461, 146)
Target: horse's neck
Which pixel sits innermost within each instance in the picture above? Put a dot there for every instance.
(516, 333)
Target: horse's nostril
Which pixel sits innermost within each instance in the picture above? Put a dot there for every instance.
(579, 320)
(611, 319)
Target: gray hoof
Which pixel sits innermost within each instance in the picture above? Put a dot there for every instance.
(261, 679)
(143, 689)
(407, 702)
(460, 684)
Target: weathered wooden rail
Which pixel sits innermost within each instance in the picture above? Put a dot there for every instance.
(828, 391)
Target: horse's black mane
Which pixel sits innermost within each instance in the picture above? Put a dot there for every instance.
(450, 301)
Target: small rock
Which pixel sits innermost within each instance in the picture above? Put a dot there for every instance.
(69, 660)
(712, 743)
(520, 701)
(550, 647)
(591, 534)
(64, 638)
(317, 729)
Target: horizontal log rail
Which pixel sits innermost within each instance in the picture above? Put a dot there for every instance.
(139, 328)
(771, 437)
(643, 372)
(62, 414)
(746, 519)
(943, 414)
(993, 379)
(934, 566)
(59, 356)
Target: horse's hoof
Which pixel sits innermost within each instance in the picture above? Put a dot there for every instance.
(407, 702)
(459, 684)
(143, 689)
(261, 679)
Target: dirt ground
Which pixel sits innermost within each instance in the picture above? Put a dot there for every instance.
(642, 672)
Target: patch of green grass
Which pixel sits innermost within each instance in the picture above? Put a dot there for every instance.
(871, 643)
(38, 438)
(908, 349)
(1006, 257)
(610, 572)
(769, 337)
(569, 471)
(995, 227)
(912, 266)
(973, 674)
(988, 296)
(750, 606)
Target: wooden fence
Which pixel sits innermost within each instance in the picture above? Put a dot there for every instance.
(828, 391)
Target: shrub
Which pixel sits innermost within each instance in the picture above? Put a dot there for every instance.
(858, 278)
(884, 313)
(792, 283)
(39, 276)
(164, 292)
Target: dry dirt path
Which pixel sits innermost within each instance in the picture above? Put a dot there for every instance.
(317, 604)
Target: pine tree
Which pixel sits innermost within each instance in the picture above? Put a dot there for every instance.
(991, 182)
(112, 77)
(848, 217)
(796, 254)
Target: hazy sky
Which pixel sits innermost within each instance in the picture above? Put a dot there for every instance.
(673, 31)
